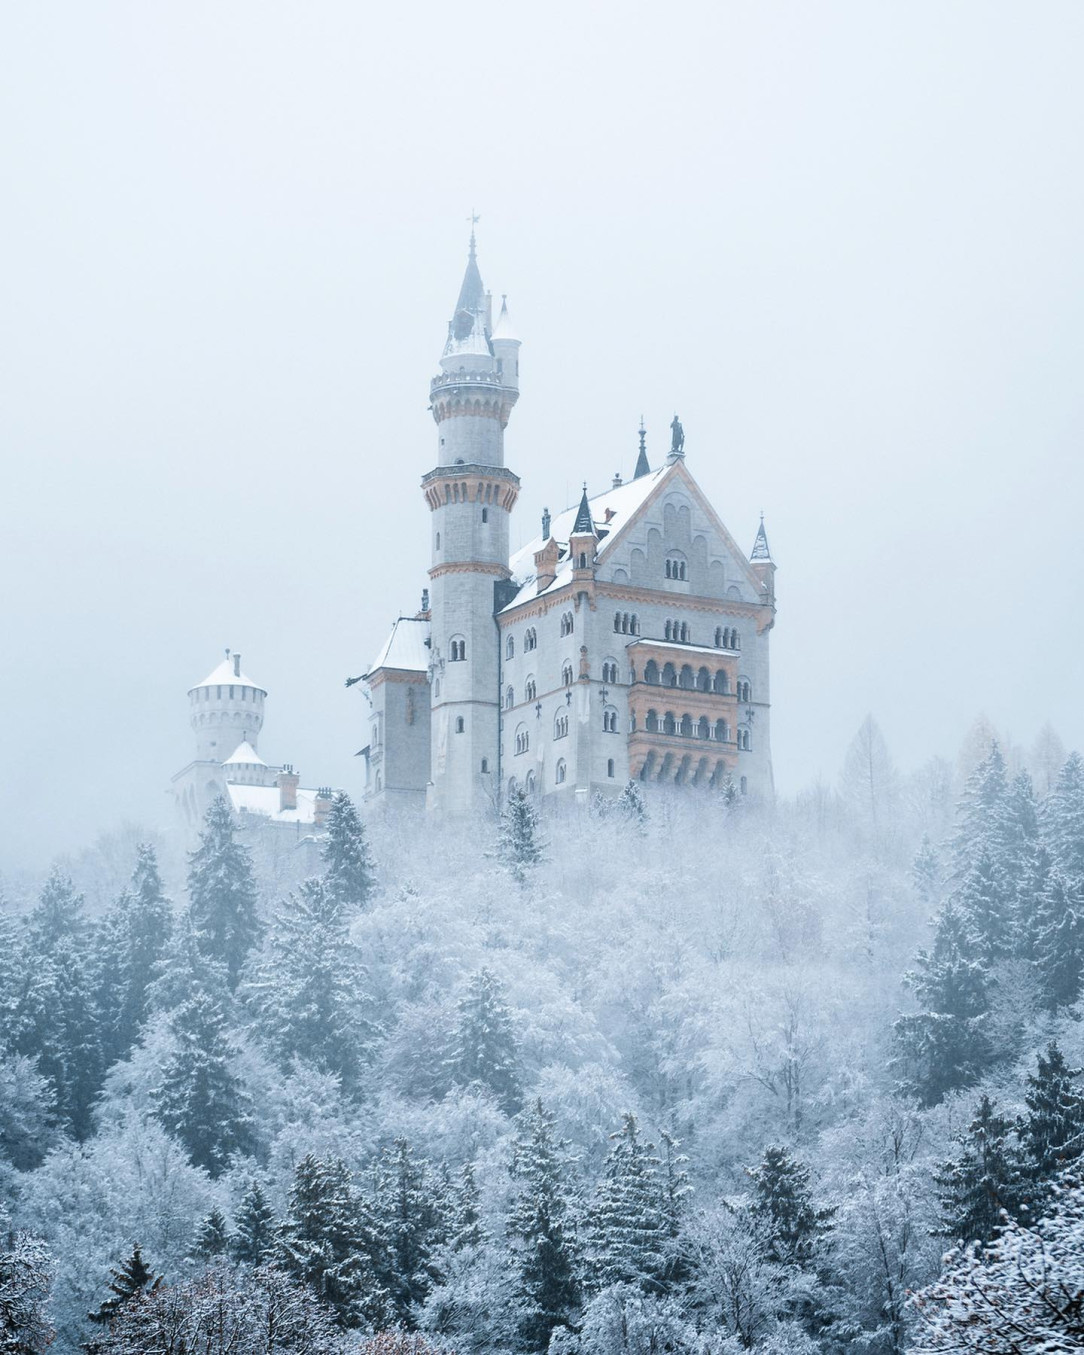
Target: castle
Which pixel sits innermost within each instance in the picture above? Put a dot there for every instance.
(628, 640)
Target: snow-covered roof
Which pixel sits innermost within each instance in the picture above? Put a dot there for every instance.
(761, 549)
(225, 673)
(504, 329)
(265, 800)
(405, 647)
(245, 753)
(622, 503)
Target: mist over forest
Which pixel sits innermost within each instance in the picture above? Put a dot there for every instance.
(677, 1071)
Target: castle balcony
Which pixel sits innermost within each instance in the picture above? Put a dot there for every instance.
(465, 378)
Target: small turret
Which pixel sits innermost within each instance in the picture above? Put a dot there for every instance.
(506, 348)
(225, 710)
(760, 557)
(642, 466)
(583, 542)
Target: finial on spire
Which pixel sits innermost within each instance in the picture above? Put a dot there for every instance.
(474, 219)
(642, 465)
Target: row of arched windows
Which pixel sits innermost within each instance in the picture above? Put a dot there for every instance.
(560, 725)
(686, 727)
(745, 691)
(458, 650)
(678, 631)
(530, 641)
(676, 567)
(702, 680)
(609, 671)
(523, 739)
(567, 624)
(726, 637)
(560, 776)
(626, 624)
(609, 720)
(566, 674)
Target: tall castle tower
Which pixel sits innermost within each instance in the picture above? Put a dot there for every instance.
(470, 495)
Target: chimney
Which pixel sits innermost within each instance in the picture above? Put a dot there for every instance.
(322, 807)
(237, 665)
(545, 564)
(425, 599)
(545, 524)
(618, 482)
(287, 782)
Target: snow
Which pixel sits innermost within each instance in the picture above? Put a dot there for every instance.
(245, 753)
(622, 502)
(405, 648)
(224, 673)
(265, 800)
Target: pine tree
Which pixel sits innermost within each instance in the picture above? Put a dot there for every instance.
(349, 873)
(1053, 1128)
(133, 1280)
(1063, 821)
(520, 845)
(980, 813)
(945, 1046)
(213, 1237)
(789, 1224)
(200, 1099)
(483, 1050)
(1058, 940)
(984, 1178)
(985, 898)
(628, 1228)
(675, 1193)
(184, 971)
(308, 987)
(540, 1226)
(254, 1228)
(222, 893)
(328, 1241)
(58, 914)
(410, 1227)
(926, 873)
(632, 804)
(465, 1227)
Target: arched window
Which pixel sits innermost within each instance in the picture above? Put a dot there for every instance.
(687, 680)
(703, 680)
(744, 784)
(609, 671)
(651, 724)
(624, 623)
(567, 624)
(743, 740)
(438, 541)
(530, 691)
(485, 514)
(609, 720)
(583, 559)
(634, 624)
(722, 731)
(721, 682)
(675, 567)
(528, 784)
(703, 728)
(561, 772)
(560, 725)
(669, 675)
(485, 765)
(651, 672)
(687, 726)
(566, 674)
(459, 725)
(510, 647)
(745, 690)
(735, 640)
(669, 724)
(667, 629)
(523, 739)
(617, 622)
(530, 640)
(718, 637)
(609, 767)
(509, 698)
(459, 651)
(684, 633)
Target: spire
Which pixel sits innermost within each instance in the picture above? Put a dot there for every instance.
(584, 524)
(472, 294)
(760, 549)
(642, 466)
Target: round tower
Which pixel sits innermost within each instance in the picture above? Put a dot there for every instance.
(226, 710)
(470, 495)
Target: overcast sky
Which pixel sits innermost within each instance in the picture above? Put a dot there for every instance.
(843, 241)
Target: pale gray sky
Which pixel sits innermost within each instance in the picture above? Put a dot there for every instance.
(843, 240)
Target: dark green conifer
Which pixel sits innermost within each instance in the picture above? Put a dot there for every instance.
(349, 873)
(222, 893)
(410, 1227)
(1058, 945)
(133, 1280)
(254, 1228)
(789, 1224)
(483, 1049)
(985, 1177)
(1053, 1128)
(520, 844)
(213, 1237)
(628, 1228)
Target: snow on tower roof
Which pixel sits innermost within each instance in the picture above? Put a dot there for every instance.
(620, 504)
(584, 524)
(472, 294)
(504, 329)
(266, 801)
(405, 648)
(228, 672)
(760, 549)
(245, 753)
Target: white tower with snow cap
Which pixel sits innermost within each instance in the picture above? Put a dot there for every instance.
(225, 709)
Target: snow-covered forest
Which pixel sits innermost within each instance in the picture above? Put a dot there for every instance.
(667, 1073)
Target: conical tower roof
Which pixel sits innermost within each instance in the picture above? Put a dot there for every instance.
(643, 467)
(760, 549)
(584, 524)
(472, 294)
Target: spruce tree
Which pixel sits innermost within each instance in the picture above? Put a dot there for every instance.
(213, 1237)
(788, 1223)
(349, 873)
(255, 1228)
(926, 873)
(133, 1280)
(308, 987)
(328, 1241)
(540, 1225)
(520, 843)
(184, 971)
(632, 804)
(200, 1099)
(980, 813)
(1053, 1128)
(1058, 940)
(410, 1228)
(675, 1193)
(58, 914)
(985, 1177)
(985, 898)
(945, 1046)
(628, 1228)
(465, 1226)
(1063, 821)
(483, 1049)
(222, 893)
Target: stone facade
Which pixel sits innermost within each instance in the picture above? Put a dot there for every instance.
(630, 639)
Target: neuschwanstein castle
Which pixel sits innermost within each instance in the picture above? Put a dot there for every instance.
(629, 639)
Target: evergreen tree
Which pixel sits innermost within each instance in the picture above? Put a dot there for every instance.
(631, 803)
(184, 972)
(253, 1239)
(788, 1223)
(926, 873)
(410, 1227)
(222, 893)
(985, 1177)
(980, 813)
(483, 1050)
(1063, 821)
(985, 898)
(675, 1193)
(328, 1241)
(349, 873)
(945, 1046)
(25, 1280)
(133, 1280)
(58, 914)
(308, 987)
(200, 1099)
(465, 1225)
(520, 843)
(1053, 1128)
(213, 1238)
(629, 1232)
(1058, 945)
(541, 1228)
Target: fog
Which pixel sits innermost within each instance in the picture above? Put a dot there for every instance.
(842, 240)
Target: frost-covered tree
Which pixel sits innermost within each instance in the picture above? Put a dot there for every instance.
(349, 872)
(945, 1046)
(787, 1221)
(307, 988)
(985, 900)
(520, 844)
(255, 1228)
(58, 913)
(869, 781)
(410, 1222)
(184, 971)
(541, 1228)
(222, 895)
(1053, 1126)
(926, 873)
(631, 803)
(483, 1049)
(329, 1239)
(1063, 820)
(1057, 946)
(133, 1280)
(25, 1278)
(213, 1238)
(628, 1231)
(132, 941)
(980, 812)
(985, 1178)
(465, 1226)
(200, 1099)
(26, 1113)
